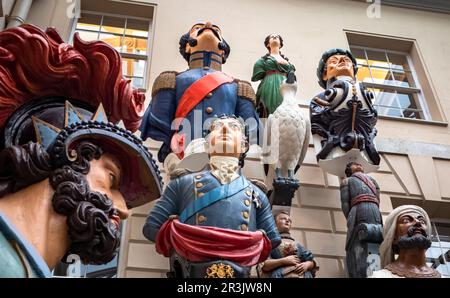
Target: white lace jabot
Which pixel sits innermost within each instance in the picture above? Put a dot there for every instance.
(224, 168)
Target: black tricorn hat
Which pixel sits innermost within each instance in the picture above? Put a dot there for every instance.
(59, 124)
(323, 62)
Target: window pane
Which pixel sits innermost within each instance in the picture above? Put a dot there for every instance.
(404, 79)
(408, 102)
(89, 22)
(392, 75)
(133, 67)
(444, 232)
(88, 36)
(398, 61)
(363, 74)
(137, 82)
(137, 27)
(377, 59)
(113, 40)
(444, 270)
(412, 114)
(434, 251)
(386, 103)
(359, 55)
(113, 25)
(126, 35)
(391, 112)
(396, 104)
(438, 255)
(135, 46)
(382, 76)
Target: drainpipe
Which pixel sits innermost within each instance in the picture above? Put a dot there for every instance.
(2, 16)
(19, 13)
(5, 10)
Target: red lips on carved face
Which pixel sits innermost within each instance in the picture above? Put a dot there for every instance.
(225, 137)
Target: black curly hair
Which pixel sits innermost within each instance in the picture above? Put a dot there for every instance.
(94, 238)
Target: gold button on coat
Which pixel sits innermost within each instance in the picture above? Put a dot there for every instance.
(245, 214)
(202, 218)
(247, 202)
(244, 227)
(209, 110)
(199, 185)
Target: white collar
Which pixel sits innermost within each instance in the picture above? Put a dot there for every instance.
(224, 168)
(345, 78)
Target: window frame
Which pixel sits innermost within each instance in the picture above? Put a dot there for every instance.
(417, 90)
(145, 58)
(437, 237)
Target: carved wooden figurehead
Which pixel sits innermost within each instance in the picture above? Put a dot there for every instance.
(67, 174)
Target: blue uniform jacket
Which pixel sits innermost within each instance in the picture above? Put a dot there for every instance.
(158, 118)
(248, 209)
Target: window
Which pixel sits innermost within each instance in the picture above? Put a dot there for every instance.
(128, 35)
(391, 77)
(393, 68)
(438, 255)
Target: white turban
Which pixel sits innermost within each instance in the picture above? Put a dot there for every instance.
(390, 227)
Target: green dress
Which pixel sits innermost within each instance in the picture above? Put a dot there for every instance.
(269, 89)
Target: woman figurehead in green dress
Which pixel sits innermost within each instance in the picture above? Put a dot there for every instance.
(272, 70)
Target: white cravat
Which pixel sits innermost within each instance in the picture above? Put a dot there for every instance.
(345, 78)
(224, 168)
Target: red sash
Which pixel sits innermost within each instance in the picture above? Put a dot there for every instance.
(364, 198)
(367, 182)
(193, 95)
(201, 244)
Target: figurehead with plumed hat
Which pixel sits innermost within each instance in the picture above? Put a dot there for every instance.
(68, 173)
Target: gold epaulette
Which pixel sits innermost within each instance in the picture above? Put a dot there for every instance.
(177, 173)
(258, 183)
(166, 80)
(245, 90)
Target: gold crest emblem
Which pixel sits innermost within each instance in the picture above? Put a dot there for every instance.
(219, 270)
